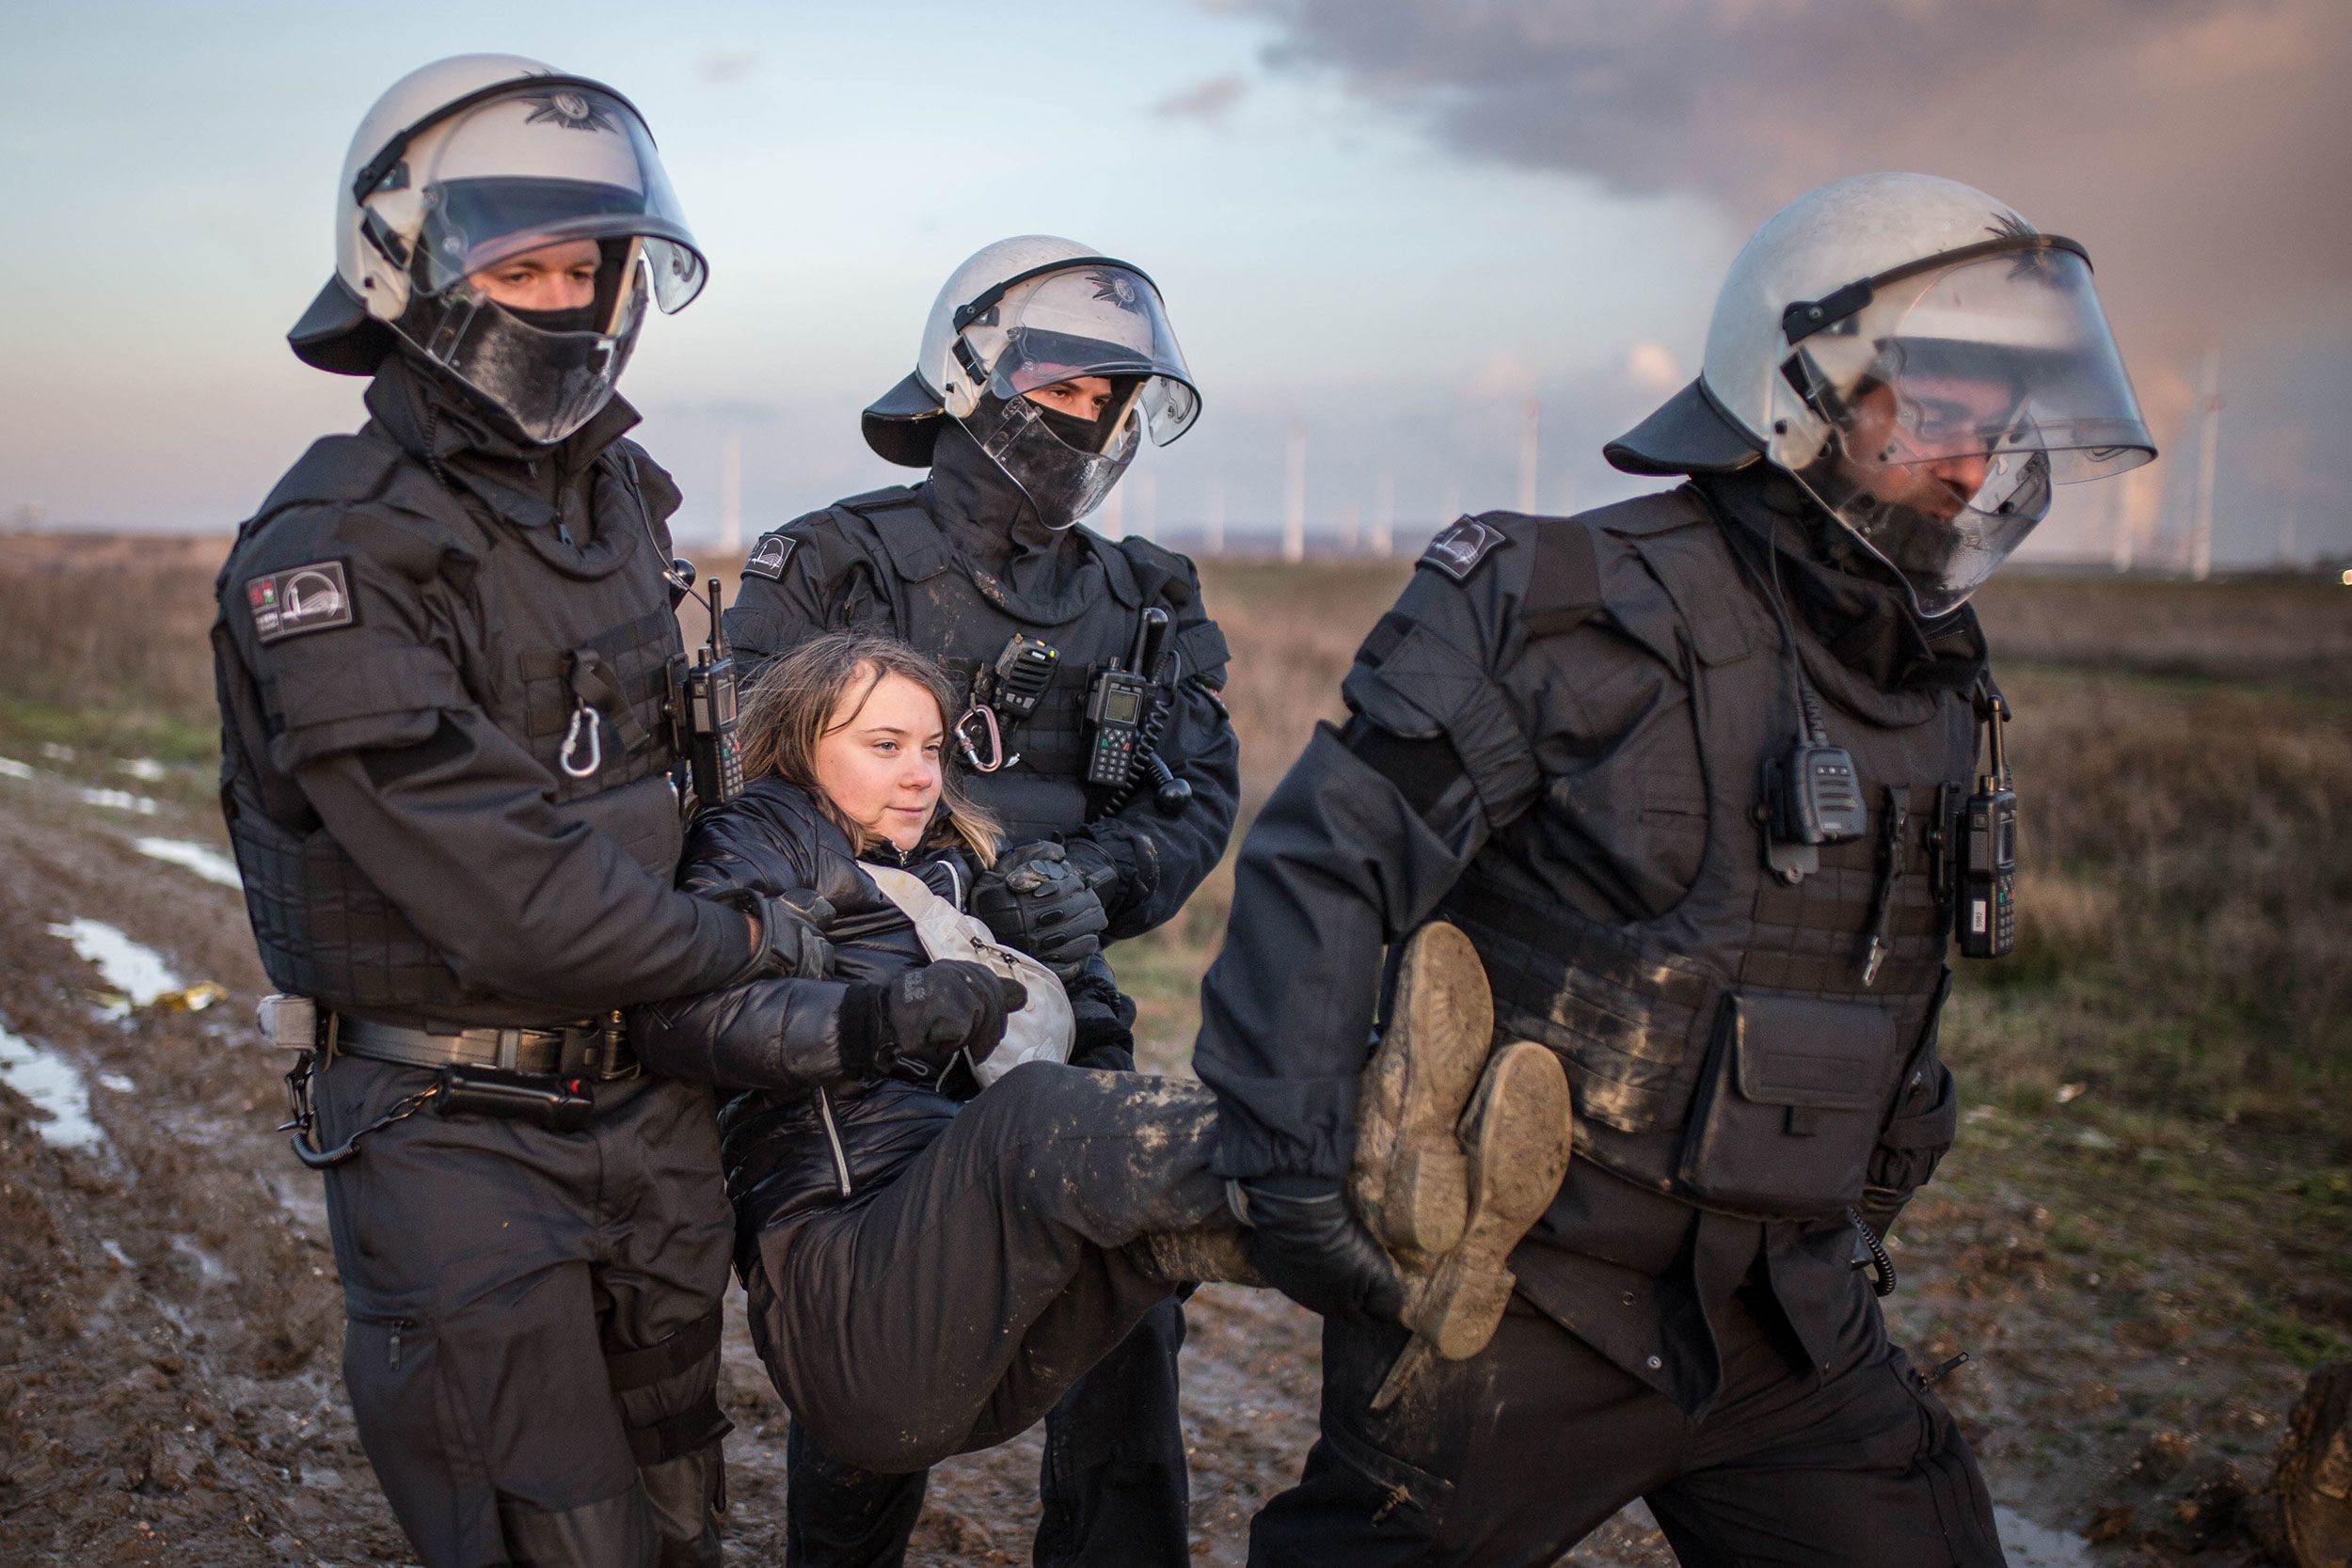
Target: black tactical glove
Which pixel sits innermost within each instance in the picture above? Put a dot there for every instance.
(912, 1024)
(791, 942)
(1034, 899)
(1306, 1243)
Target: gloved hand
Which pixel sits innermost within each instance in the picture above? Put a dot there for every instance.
(1033, 898)
(788, 939)
(914, 1023)
(1307, 1244)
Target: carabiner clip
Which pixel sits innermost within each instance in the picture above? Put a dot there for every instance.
(582, 712)
(987, 716)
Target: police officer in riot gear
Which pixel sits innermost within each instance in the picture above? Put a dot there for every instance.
(1697, 774)
(446, 659)
(1093, 731)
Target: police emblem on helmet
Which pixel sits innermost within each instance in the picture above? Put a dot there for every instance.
(1117, 288)
(571, 110)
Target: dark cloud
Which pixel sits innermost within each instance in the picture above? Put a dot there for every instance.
(1209, 102)
(2206, 142)
(2201, 148)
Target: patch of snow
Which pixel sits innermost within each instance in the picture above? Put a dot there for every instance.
(206, 862)
(11, 768)
(117, 1083)
(145, 769)
(55, 753)
(2030, 1545)
(139, 972)
(113, 1249)
(116, 799)
(60, 1098)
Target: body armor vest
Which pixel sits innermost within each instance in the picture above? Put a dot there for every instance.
(946, 608)
(1717, 1048)
(569, 652)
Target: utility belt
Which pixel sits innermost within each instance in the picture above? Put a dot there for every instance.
(544, 1076)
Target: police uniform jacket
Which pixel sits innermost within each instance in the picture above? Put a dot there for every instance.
(421, 626)
(1556, 741)
(955, 566)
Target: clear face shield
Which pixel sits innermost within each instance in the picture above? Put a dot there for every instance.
(558, 181)
(1075, 367)
(1933, 421)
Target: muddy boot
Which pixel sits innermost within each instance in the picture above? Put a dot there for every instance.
(1517, 1136)
(1208, 1256)
(1411, 1182)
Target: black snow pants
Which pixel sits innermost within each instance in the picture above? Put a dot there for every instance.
(959, 1304)
(532, 1350)
(1519, 1453)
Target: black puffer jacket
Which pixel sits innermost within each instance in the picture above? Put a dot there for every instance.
(800, 1134)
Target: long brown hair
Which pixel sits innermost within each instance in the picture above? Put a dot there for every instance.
(820, 686)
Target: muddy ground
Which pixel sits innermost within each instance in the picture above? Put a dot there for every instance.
(170, 1325)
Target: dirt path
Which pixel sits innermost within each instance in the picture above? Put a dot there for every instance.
(170, 1325)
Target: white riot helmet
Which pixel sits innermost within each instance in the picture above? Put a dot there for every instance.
(473, 161)
(1030, 312)
(1922, 361)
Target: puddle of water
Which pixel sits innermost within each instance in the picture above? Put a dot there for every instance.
(2031, 1545)
(139, 974)
(11, 768)
(60, 1098)
(118, 799)
(205, 861)
(145, 769)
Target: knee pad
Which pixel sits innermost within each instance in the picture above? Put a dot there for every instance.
(669, 1392)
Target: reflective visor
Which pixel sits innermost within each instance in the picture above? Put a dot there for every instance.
(537, 166)
(1097, 318)
(2007, 353)
(1933, 421)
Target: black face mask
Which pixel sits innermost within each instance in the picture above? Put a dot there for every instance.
(578, 318)
(1079, 434)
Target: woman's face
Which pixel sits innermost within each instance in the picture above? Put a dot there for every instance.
(879, 763)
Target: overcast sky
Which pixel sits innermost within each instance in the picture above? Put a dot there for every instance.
(1386, 222)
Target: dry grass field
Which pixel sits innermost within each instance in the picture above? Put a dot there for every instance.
(2144, 1239)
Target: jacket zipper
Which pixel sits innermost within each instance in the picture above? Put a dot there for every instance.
(832, 1136)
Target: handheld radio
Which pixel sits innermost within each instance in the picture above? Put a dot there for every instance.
(1117, 705)
(1812, 797)
(1985, 838)
(708, 698)
(1024, 670)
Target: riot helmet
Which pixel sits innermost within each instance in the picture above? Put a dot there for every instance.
(1026, 316)
(469, 165)
(1922, 361)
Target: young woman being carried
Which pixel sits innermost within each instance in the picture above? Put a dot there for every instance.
(928, 1267)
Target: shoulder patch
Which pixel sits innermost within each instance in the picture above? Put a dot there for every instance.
(770, 557)
(1458, 550)
(313, 598)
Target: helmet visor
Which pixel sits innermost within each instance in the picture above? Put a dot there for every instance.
(537, 166)
(1933, 421)
(1094, 320)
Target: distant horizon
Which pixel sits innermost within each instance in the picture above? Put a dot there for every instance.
(1386, 229)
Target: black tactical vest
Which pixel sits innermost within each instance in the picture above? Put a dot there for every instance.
(1740, 1051)
(543, 637)
(943, 605)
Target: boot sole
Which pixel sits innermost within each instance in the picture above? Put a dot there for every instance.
(1519, 1134)
(1410, 1179)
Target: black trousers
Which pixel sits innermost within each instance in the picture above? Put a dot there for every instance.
(1114, 1488)
(960, 1303)
(1519, 1453)
(532, 1352)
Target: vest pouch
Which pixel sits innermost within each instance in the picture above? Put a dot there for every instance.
(1789, 1106)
